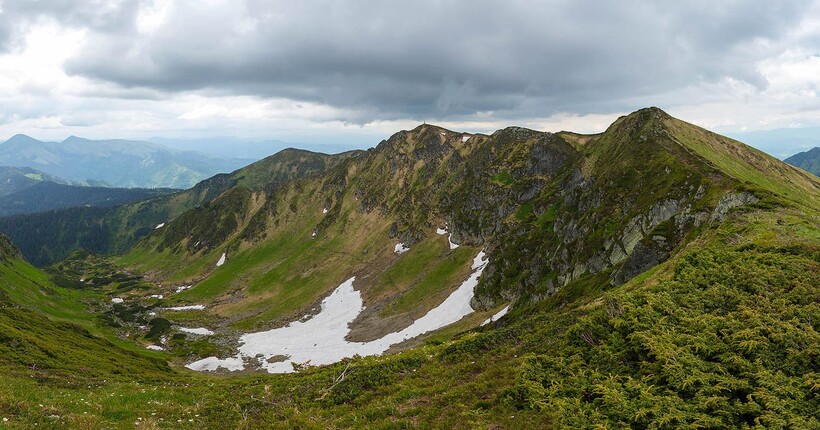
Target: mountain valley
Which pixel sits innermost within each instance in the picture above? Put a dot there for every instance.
(652, 275)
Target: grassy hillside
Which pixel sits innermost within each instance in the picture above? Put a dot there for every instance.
(661, 277)
(49, 335)
(724, 335)
(48, 237)
(550, 210)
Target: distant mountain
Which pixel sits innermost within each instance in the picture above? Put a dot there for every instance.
(781, 142)
(15, 179)
(46, 196)
(119, 163)
(49, 236)
(245, 148)
(808, 160)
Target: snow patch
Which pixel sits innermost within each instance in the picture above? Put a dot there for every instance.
(324, 210)
(400, 248)
(117, 300)
(441, 231)
(465, 138)
(154, 347)
(313, 235)
(213, 363)
(160, 225)
(200, 331)
(186, 308)
(450, 241)
(221, 259)
(183, 288)
(156, 296)
(321, 340)
(497, 315)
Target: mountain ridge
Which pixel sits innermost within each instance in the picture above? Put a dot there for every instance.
(653, 275)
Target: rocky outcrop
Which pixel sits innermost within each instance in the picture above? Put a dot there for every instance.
(731, 201)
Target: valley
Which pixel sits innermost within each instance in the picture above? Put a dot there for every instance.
(652, 275)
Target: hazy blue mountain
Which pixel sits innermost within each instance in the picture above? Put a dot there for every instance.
(808, 160)
(231, 147)
(781, 142)
(119, 163)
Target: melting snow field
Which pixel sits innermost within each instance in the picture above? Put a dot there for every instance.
(186, 308)
(497, 315)
(160, 225)
(221, 260)
(400, 248)
(321, 339)
(200, 331)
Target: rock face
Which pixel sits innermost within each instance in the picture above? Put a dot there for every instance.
(731, 201)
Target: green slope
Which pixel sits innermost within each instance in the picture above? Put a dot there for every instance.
(48, 237)
(550, 210)
(46, 332)
(658, 280)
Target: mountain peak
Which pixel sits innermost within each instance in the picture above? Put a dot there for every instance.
(74, 139)
(21, 139)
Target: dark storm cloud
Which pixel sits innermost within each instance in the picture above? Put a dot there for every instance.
(433, 59)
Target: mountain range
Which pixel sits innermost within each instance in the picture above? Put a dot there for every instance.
(655, 275)
(808, 160)
(115, 163)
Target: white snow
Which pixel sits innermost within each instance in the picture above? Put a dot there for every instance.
(153, 314)
(450, 241)
(186, 308)
(313, 235)
(324, 210)
(400, 248)
(183, 288)
(213, 363)
(442, 231)
(465, 138)
(156, 296)
(154, 347)
(160, 225)
(200, 331)
(117, 300)
(321, 339)
(497, 315)
(221, 260)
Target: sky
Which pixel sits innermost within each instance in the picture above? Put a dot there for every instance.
(354, 72)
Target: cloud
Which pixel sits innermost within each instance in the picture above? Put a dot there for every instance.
(322, 69)
(437, 59)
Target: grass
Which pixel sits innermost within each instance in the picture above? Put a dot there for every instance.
(722, 335)
(423, 282)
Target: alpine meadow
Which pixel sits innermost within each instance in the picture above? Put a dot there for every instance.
(425, 254)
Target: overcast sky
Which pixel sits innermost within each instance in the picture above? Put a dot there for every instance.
(356, 71)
